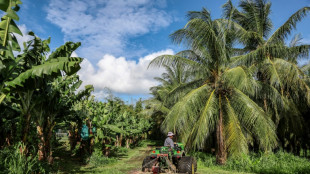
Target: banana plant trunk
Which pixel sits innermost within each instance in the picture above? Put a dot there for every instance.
(41, 145)
(116, 142)
(127, 143)
(106, 148)
(221, 150)
(130, 140)
(120, 140)
(91, 135)
(26, 127)
(73, 136)
(48, 145)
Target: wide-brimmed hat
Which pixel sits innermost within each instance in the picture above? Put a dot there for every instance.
(170, 134)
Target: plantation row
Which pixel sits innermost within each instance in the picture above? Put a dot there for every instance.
(238, 89)
(39, 96)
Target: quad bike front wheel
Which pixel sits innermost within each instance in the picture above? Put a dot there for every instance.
(187, 164)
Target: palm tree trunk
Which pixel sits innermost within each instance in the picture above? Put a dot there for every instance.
(221, 150)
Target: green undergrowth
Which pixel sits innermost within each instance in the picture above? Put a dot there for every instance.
(99, 160)
(123, 161)
(278, 163)
(13, 161)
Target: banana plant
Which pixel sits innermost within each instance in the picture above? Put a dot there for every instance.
(8, 42)
(115, 122)
(8, 27)
(40, 70)
(55, 98)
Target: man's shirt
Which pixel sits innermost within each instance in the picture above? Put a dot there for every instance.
(169, 142)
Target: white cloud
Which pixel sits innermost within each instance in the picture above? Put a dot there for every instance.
(121, 75)
(25, 37)
(104, 27)
(74, 54)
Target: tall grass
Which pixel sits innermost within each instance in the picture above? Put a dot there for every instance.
(274, 163)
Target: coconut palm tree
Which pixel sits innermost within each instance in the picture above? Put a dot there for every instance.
(174, 78)
(254, 17)
(267, 51)
(219, 100)
(273, 62)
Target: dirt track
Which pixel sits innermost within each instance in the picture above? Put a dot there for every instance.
(139, 159)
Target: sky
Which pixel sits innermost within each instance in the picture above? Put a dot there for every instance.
(120, 37)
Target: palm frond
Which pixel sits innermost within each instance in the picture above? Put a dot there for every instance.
(306, 69)
(193, 55)
(204, 124)
(236, 142)
(161, 80)
(169, 60)
(154, 106)
(260, 54)
(270, 72)
(296, 40)
(204, 14)
(254, 120)
(283, 31)
(272, 95)
(241, 33)
(178, 91)
(183, 114)
(293, 79)
(229, 9)
(241, 78)
(239, 51)
(297, 52)
(197, 33)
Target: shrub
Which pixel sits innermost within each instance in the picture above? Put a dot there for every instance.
(118, 151)
(206, 159)
(99, 160)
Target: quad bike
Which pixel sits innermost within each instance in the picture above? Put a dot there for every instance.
(165, 159)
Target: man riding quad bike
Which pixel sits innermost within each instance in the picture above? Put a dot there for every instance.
(169, 159)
